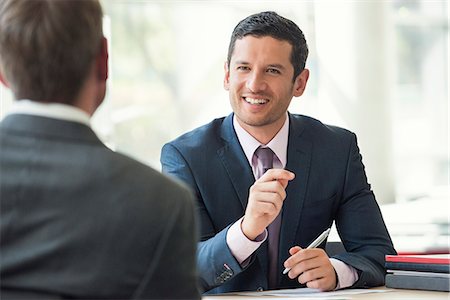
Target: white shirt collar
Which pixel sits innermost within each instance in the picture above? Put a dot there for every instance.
(278, 144)
(50, 110)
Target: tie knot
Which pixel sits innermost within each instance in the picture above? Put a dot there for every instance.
(265, 156)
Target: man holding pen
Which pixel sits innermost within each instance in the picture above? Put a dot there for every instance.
(268, 182)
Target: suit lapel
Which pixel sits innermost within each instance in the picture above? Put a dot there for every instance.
(235, 162)
(298, 161)
(241, 175)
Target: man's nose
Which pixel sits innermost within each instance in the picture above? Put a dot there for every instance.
(256, 82)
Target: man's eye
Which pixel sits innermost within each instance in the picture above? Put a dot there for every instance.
(273, 71)
(243, 68)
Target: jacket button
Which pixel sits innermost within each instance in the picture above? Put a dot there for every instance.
(259, 289)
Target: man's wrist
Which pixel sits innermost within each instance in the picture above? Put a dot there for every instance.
(346, 274)
(240, 246)
(252, 236)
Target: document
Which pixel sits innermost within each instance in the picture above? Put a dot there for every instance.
(308, 293)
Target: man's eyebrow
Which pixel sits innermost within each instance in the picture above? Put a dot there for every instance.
(277, 66)
(241, 62)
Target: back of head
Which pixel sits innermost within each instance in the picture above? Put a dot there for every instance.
(48, 46)
(271, 24)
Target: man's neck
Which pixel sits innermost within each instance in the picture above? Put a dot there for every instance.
(263, 134)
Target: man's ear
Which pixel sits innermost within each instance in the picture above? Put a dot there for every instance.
(3, 80)
(102, 61)
(300, 83)
(226, 79)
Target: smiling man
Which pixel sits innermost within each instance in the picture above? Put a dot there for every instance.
(269, 182)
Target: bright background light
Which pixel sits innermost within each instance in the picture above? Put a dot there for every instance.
(378, 68)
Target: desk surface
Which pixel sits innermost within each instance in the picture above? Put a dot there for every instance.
(390, 294)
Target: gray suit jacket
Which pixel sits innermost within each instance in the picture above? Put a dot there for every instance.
(81, 221)
(330, 185)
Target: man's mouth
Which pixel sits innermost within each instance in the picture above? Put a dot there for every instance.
(255, 101)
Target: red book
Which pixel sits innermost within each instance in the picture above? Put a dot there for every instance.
(439, 263)
(443, 259)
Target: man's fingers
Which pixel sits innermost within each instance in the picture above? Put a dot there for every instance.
(310, 275)
(324, 279)
(294, 250)
(298, 256)
(283, 182)
(276, 196)
(269, 190)
(302, 260)
(269, 206)
(265, 201)
(319, 283)
(311, 266)
(277, 174)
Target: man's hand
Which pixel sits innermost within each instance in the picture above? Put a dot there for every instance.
(313, 267)
(265, 201)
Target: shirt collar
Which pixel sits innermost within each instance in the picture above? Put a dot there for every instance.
(50, 110)
(278, 144)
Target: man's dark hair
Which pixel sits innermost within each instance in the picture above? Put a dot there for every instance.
(271, 24)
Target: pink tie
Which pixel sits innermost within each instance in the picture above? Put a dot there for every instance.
(265, 156)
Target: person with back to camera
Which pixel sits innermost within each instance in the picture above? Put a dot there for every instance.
(77, 219)
(269, 182)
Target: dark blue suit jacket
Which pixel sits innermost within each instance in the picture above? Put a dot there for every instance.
(330, 185)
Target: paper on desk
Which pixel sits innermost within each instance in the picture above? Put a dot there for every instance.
(311, 293)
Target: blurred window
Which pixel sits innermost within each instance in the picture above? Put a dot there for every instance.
(166, 74)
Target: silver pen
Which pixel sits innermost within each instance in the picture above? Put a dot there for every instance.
(314, 244)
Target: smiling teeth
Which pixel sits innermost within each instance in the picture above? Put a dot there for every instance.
(256, 101)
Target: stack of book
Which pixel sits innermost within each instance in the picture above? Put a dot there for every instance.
(418, 272)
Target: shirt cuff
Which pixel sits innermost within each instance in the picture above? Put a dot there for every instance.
(240, 246)
(347, 275)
